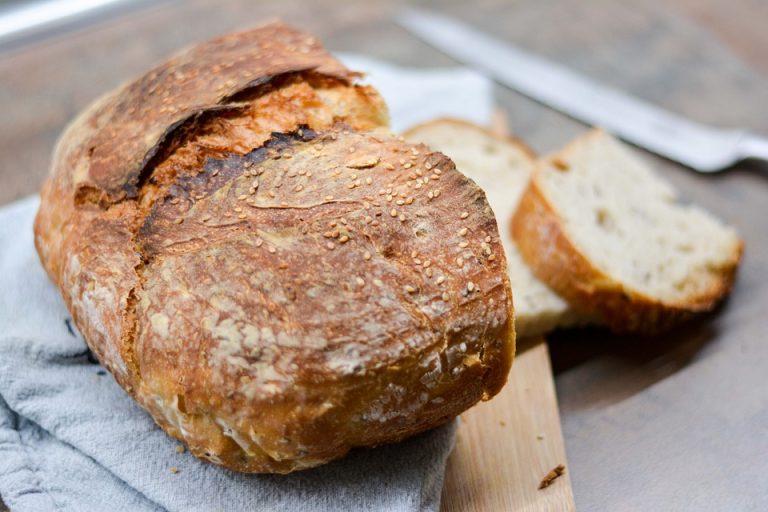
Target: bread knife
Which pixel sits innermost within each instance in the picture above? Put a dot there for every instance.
(702, 148)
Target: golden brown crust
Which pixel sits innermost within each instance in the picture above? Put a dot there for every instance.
(276, 300)
(538, 231)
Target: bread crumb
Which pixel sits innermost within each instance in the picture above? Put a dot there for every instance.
(553, 475)
(180, 449)
(540, 437)
(503, 423)
(560, 164)
(174, 470)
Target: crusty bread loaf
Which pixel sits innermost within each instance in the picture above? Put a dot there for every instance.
(501, 166)
(264, 267)
(599, 227)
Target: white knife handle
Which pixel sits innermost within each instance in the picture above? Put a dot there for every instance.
(754, 147)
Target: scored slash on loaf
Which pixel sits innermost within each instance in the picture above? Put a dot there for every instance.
(264, 267)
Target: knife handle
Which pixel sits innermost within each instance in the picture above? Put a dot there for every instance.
(753, 147)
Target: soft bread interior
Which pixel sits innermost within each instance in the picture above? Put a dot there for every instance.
(502, 168)
(631, 225)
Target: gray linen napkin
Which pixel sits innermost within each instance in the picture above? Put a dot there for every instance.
(71, 438)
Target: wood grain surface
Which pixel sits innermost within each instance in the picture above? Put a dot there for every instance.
(505, 447)
(672, 423)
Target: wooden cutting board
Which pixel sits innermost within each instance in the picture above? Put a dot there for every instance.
(506, 446)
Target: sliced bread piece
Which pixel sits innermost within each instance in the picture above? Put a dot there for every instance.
(502, 167)
(600, 228)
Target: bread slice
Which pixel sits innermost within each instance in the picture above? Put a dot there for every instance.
(600, 228)
(502, 167)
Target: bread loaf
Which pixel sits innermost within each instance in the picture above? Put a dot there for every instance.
(501, 166)
(600, 228)
(264, 267)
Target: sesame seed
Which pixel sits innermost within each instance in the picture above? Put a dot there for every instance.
(251, 190)
(255, 184)
(175, 200)
(464, 244)
(399, 202)
(429, 272)
(410, 289)
(402, 218)
(464, 215)
(242, 216)
(488, 239)
(227, 214)
(438, 171)
(460, 261)
(330, 246)
(367, 255)
(272, 250)
(368, 219)
(445, 296)
(430, 195)
(414, 253)
(298, 188)
(463, 346)
(417, 261)
(329, 198)
(344, 239)
(408, 165)
(272, 193)
(440, 280)
(238, 209)
(241, 197)
(437, 192)
(378, 282)
(393, 212)
(343, 221)
(368, 180)
(215, 172)
(259, 242)
(470, 286)
(427, 166)
(491, 257)
(179, 220)
(388, 166)
(350, 186)
(409, 200)
(360, 281)
(463, 231)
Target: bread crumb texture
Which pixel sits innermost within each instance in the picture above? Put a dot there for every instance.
(600, 227)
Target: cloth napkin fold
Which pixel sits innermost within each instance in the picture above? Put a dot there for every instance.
(72, 440)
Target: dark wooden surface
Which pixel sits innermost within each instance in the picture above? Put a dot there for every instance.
(672, 423)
